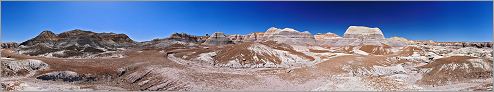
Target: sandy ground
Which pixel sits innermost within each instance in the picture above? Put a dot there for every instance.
(330, 74)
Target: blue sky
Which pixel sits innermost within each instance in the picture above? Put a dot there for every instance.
(142, 21)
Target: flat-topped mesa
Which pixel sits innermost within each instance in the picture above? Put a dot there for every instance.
(218, 38)
(362, 32)
(360, 36)
(286, 32)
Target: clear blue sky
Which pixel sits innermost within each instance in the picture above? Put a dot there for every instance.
(142, 21)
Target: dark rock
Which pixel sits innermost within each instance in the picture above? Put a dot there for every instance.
(75, 42)
(9, 45)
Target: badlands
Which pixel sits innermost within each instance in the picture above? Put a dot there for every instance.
(362, 59)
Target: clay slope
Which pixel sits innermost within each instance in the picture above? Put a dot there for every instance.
(376, 50)
(174, 39)
(218, 38)
(455, 69)
(75, 43)
(249, 54)
(285, 35)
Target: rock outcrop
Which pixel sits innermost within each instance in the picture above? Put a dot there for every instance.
(360, 35)
(176, 38)
(69, 76)
(80, 38)
(9, 45)
(218, 38)
(12, 67)
(289, 36)
(236, 38)
(77, 42)
(361, 32)
(286, 35)
(44, 37)
(183, 37)
(255, 36)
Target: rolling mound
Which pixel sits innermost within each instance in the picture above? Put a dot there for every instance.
(376, 50)
(409, 50)
(249, 54)
(75, 43)
(456, 68)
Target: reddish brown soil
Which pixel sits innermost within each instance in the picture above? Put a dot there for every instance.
(408, 50)
(193, 52)
(240, 52)
(334, 66)
(438, 76)
(286, 47)
(347, 49)
(243, 54)
(318, 51)
(376, 50)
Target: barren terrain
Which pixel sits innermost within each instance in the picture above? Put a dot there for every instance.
(182, 63)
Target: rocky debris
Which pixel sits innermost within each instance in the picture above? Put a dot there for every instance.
(484, 87)
(423, 42)
(11, 86)
(376, 70)
(155, 78)
(183, 37)
(457, 44)
(70, 52)
(472, 51)
(236, 38)
(465, 44)
(388, 70)
(12, 67)
(346, 84)
(75, 43)
(9, 45)
(456, 69)
(218, 38)
(35, 85)
(69, 76)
